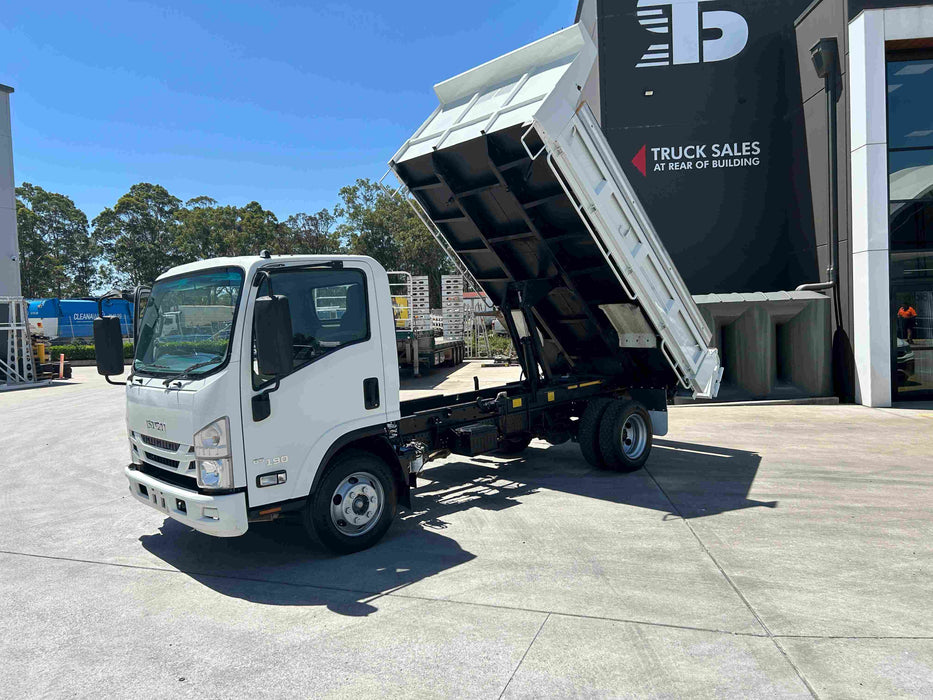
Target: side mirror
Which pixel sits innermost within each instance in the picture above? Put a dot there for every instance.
(273, 324)
(108, 345)
(140, 301)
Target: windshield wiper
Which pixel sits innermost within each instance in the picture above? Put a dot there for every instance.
(186, 370)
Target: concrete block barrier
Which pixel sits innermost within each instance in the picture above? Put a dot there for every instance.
(774, 345)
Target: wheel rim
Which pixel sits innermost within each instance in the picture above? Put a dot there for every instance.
(634, 436)
(356, 504)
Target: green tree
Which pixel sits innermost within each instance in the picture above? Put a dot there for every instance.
(208, 230)
(377, 224)
(139, 235)
(205, 229)
(310, 234)
(370, 222)
(256, 229)
(57, 252)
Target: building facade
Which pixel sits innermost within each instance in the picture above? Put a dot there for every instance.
(722, 111)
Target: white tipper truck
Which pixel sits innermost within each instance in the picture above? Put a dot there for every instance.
(295, 410)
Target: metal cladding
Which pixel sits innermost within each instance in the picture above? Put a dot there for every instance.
(9, 246)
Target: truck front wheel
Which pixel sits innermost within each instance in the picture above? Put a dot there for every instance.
(625, 436)
(354, 503)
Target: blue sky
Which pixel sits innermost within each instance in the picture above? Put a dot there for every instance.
(283, 103)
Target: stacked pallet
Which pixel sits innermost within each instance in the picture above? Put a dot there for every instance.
(452, 306)
(420, 303)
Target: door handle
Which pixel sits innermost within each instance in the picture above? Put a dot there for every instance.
(371, 393)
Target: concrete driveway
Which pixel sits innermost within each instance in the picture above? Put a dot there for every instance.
(782, 551)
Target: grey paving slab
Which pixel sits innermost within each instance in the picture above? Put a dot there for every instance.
(119, 632)
(865, 668)
(585, 658)
(68, 439)
(839, 536)
(556, 535)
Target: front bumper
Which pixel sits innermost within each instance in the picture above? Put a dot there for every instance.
(228, 519)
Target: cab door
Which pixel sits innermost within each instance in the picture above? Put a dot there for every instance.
(336, 385)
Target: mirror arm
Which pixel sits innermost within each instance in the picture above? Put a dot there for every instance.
(110, 381)
(112, 294)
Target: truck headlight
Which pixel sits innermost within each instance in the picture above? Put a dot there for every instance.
(212, 452)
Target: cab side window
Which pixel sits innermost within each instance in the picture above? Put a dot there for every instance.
(328, 309)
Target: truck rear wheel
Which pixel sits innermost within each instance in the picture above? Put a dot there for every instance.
(625, 436)
(354, 503)
(588, 431)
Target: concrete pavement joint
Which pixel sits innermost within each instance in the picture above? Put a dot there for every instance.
(734, 587)
(522, 660)
(377, 594)
(394, 592)
(866, 637)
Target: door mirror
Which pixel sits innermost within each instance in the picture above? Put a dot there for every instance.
(272, 322)
(140, 300)
(108, 345)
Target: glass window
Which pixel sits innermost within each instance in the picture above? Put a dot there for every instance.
(910, 152)
(911, 225)
(910, 104)
(187, 323)
(910, 181)
(913, 351)
(911, 174)
(328, 310)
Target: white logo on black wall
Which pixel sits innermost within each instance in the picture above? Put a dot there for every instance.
(701, 156)
(683, 23)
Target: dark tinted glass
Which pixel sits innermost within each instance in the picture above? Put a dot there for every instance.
(910, 103)
(911, 224)
(328, 310)
(916, 266)
(910, 175)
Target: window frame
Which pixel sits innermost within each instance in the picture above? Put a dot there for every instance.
(254, 377)
(899, 56)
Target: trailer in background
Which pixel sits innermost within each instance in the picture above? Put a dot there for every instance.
(416, 335)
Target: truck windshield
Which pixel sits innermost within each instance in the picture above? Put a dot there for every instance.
(188, 323)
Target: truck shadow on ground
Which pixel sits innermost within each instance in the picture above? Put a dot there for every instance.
(680, 479)
(275, 564)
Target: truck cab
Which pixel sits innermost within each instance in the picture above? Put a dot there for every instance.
(213, 441)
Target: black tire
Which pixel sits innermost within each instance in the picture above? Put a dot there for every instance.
(625, 436)
(514, 444)
(588, 431)
(317, 516)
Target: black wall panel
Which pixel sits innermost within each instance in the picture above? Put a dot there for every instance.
(744, 227)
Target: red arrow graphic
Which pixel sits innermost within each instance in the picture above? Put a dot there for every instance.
(639, 161)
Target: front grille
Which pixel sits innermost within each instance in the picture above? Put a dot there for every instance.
(160, 443)
(173, 463)
(185, 482)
